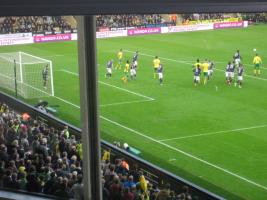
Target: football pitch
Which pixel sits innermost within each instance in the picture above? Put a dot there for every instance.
(212, 135)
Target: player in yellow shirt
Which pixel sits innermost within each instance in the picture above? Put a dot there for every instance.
(197, 64)
(257, 63)
(205, 69)
(126, 72)
(119, 56)
(156, 63)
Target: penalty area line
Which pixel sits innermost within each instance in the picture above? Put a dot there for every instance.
(103, 105)
(113, 86)
(173, 148)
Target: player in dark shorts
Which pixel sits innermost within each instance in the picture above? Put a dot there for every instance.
(45, 76)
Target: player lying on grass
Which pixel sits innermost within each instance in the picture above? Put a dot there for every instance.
(257, 64)
(156, 63)
(109, 68)
(126, 72)
(197, 72)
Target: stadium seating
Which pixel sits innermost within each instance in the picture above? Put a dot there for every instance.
(38, 157)
(58, 24)
(34, 24)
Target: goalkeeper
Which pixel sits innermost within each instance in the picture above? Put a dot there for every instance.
(45, 76)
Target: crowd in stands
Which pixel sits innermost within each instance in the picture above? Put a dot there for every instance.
(35, 24)
(116, 21)
(255, 17)
(38, 158)
(42, 159)
(123, 182)
(40, 24)
(204, 16)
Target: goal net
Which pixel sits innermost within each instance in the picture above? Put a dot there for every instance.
(33, 75)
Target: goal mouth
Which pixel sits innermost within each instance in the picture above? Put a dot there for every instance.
(27, 75)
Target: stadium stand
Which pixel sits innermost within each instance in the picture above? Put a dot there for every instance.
(61, 24)
(41, 154)
(119, 21)
(34, 24)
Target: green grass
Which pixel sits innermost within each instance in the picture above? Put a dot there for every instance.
(229, 163)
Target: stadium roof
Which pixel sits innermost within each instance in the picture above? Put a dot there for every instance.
(89, 7)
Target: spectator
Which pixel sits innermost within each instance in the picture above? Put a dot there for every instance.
(165, 193)
(36, 166)
(77, 189)
(127, 195)
(115, 189)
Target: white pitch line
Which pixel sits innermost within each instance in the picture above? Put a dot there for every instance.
(69, 72)
(110, 85)
(214, 133)
(124, 102)
(185, 153)
(104, 105)
(67, 102)
(119, 88)
(173, 148)
(185, 62)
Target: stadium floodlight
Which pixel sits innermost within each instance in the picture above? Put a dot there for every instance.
(28, 75)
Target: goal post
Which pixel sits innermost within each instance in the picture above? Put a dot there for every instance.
(34, 75)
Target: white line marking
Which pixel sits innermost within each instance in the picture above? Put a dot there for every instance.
(67, 102)
(185, 62)
(124, 102)
(104, 105)
(185, 153)
(69, 72)
(173, 148)
(213, 133)
(110, 85)
(119, 88)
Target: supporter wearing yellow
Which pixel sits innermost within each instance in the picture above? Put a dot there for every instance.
(126, 72)
(119, 55)
(205, 69)
(156, 63)
(257, 63)
(106, 155)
